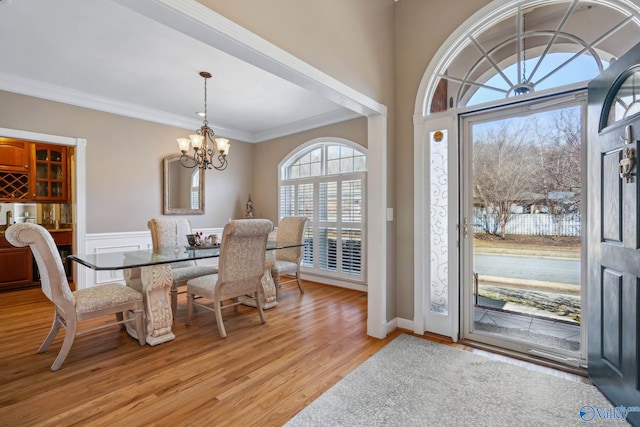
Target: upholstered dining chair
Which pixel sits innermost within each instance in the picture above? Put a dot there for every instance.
(172, 232)
(74, 306)
(241, 268)
(287, 261)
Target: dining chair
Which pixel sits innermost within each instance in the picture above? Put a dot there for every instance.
(241, 268)
(287, 261)
(74, 306)
(172, 232)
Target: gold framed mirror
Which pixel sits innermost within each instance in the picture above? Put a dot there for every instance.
(183, 188)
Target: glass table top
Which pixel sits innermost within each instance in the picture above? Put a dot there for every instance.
(164, 255)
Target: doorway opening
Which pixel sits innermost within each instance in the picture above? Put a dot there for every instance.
(522, 207)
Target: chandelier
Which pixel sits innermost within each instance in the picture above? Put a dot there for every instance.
(204, 145)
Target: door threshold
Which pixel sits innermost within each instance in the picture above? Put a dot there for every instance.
(537, 361)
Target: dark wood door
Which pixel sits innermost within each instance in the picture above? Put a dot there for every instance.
(613, 239)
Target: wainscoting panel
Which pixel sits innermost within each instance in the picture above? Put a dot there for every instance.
(97, 243)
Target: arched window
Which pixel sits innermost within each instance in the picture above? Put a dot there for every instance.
(626, 102)
(532, 46)
(195, 189)
(324, 180)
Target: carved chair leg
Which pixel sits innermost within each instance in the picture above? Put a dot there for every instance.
(259, 306)
(299, 282)
(55, 327)
(218, 306)
(140, 326)
(120, 318)
(189, 308)
(69, 337)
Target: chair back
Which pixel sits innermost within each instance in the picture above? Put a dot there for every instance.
(171, 232)
(291, 230)
(53, 278)
(242, 252)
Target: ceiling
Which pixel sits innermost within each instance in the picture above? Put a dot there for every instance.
(100, 54)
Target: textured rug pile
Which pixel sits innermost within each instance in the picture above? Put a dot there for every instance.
(414, 382)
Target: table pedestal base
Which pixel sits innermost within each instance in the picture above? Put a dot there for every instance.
(154, 282)
(268, 293)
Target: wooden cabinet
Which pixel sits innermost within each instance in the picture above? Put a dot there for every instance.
(18, 269)
(30, 171)
(16, 266)
(14, 170)
(49, 172)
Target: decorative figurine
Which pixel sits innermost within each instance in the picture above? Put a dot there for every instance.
(249, 208)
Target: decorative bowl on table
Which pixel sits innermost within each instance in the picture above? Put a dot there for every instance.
(197, 242)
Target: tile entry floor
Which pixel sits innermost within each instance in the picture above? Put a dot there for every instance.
(552, 332)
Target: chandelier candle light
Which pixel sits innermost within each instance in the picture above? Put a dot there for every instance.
(203, 143)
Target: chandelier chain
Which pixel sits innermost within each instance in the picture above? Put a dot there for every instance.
(206, 122)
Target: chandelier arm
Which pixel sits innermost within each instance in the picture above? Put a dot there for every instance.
(188, 162)
(223, 162)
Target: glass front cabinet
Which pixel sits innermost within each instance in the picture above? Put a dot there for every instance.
(49, 172)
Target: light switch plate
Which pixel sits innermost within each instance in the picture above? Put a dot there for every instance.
(389, 214)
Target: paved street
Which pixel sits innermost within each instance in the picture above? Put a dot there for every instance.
(557, 270)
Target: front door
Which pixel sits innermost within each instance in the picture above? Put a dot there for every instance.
(613, 288)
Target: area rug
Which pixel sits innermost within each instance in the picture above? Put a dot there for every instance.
(415, 382)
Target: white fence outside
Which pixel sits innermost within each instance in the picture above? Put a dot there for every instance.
(530, 224)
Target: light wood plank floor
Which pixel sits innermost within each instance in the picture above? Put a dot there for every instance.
(260, 375)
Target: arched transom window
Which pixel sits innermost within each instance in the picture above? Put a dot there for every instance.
(325, 180)
(533, 46)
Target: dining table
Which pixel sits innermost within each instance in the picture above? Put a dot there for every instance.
(149, 271)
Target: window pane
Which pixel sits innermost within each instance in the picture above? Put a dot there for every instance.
(316, 169)
(328, 200)
(333, 152)
(307, 259)
(352, 251)
(316, 155)
(287, 200)
(327, 250)
(359, 164)
(294, 172)
(346, 165)
(346, 152)
(333, 167)
(351, 201)
(305, 201)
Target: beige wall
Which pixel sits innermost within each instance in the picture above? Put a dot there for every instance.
(351, 41)
(268, 155)
(124, 164)
(421, 27)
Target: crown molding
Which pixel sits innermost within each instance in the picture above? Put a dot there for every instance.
(15, 84)
(332, 117)
(65, 95)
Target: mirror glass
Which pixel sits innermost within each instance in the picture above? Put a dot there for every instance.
(183, 188)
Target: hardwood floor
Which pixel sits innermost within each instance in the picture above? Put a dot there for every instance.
(260, 375)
